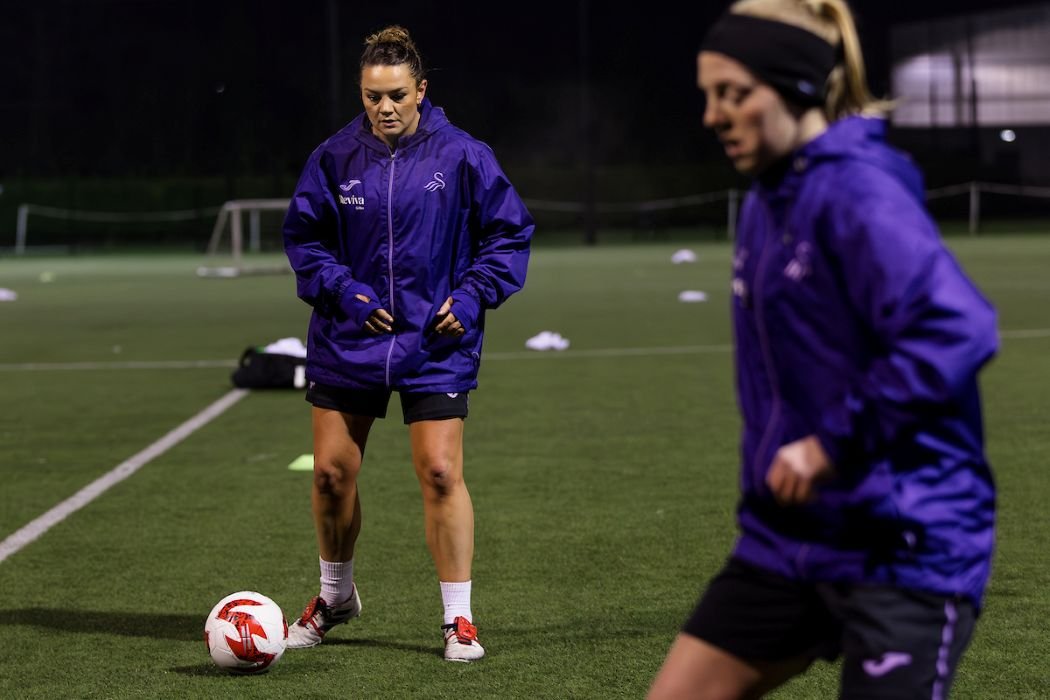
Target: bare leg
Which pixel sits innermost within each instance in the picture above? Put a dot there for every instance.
(339, 448)
(437, 455)
(696, 670)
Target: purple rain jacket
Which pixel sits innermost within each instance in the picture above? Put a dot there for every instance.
(854, 323)
(436, 218)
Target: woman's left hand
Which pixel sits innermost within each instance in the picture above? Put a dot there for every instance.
(796, 470)
(448, 325)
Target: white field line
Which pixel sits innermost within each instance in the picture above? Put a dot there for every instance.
(159, 364)
(505, 355)
(688, 349)
(122, 471)
(513, 355)
(1022, 334)
(606, 352)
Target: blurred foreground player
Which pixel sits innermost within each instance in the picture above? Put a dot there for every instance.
(868, 509)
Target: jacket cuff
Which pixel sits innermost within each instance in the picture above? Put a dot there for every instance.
(466, 307)
(356, 310)
(837, 436)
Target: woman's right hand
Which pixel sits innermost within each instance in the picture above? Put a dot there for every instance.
(379, 321)
(797, 470)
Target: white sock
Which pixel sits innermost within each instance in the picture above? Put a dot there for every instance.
(337, 581)
(456, 597)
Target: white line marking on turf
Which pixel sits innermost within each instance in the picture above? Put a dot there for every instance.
(608, 352)
(1021, 335)
(122, 471)
(492, 355)
(160, 364)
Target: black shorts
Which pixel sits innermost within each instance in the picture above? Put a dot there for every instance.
(414, 406)
(891, 640)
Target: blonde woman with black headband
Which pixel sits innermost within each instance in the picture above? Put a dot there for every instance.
(867, 515)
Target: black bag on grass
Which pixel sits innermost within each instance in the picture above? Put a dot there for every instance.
(266, 370)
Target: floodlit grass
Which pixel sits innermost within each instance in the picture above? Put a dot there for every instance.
(604, 480)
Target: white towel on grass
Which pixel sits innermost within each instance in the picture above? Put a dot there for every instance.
(547, 340)
(286, 346)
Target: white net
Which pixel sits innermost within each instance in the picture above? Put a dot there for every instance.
(55, 227)
(981, 203)
(714, 213)
(245, 234)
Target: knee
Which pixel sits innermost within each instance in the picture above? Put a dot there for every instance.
(438, 475)
(334, 478)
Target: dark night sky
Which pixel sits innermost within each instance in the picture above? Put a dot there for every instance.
(189, 87)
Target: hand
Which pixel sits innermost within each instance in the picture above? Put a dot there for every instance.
(379, 321)
(448, 325)
(796, 470)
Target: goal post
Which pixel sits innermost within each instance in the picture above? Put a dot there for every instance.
(231, 216)
(232, 213)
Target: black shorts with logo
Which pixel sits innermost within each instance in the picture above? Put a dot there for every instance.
(414, 406)
(895, 643)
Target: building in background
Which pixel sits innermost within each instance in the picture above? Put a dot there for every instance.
(973, 94)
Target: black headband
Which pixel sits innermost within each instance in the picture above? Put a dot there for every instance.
(792, 60)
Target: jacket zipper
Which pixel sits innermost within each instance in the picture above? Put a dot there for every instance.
(763, 341)
(390, 256)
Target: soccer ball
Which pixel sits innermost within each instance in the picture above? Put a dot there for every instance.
(246, 633)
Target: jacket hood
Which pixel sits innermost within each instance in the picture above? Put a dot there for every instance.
(431, 119)
(864, 138)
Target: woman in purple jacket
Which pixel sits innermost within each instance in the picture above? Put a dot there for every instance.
(868, 508)
(402, 231)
